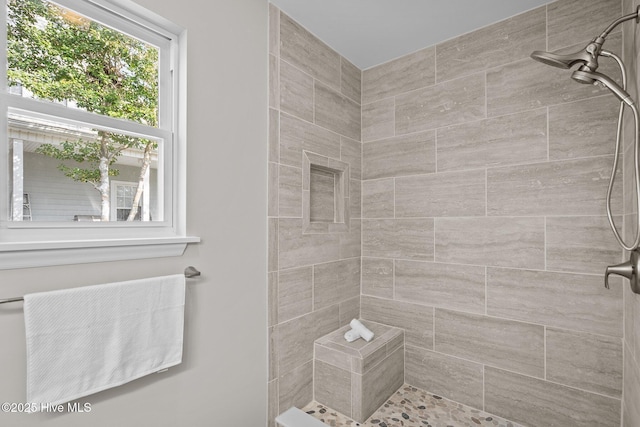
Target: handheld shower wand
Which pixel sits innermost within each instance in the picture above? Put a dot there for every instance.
(593, 77)
(587, 59)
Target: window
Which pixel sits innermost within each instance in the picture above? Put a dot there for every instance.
(90, 116)
(123, 199)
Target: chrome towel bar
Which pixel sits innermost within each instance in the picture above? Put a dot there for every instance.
(189, 273)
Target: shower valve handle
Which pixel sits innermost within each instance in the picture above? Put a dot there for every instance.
(628, 269)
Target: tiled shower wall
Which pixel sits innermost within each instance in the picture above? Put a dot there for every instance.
(484, 231)
(631, 409)
(314, 279)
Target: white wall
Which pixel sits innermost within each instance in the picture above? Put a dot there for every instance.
(222, 380)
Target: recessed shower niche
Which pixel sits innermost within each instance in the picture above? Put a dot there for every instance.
(325, 194)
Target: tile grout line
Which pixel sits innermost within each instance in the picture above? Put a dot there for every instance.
(484, 386)
(548, 138)
(433, 320)
(435, 153)
(546, 27)
(486, 97)
(486, 290)
(393, 277)
(544, 347)
(486, 192)
(544, 243)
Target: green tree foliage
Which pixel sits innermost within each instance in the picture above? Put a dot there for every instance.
(60, 55)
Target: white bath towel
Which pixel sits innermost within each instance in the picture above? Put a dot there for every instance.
(84, 340)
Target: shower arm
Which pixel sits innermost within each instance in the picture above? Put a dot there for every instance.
(614, 24)
(595, 46)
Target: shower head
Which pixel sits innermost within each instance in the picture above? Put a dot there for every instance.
(591, 77)
(587, 57)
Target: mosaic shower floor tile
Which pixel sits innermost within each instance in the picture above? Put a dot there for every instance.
(412, 407)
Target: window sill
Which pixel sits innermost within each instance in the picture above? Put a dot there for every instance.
(42, 254)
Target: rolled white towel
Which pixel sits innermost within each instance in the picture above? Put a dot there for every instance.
(361, 330)
(351, 335)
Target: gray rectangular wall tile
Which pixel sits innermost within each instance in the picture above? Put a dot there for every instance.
(506, 140)
(398, 238)
(630, 322)
(457, 379)
(378, 198)
(494, 45)
(296, 337)
(574, 21)
(504, 241)
(296, 249)
(415, 319)
(454, 286)
(635, 313)
(583, 129)
(355, 199)
(336, 112)
(304, 50)
(351, 152)
(349, 309)
(272, 209)
(378, 120)
(273, 244)
(295, 388)
(272, 404)
(297, 135)
(294, 293)
(274, 135)
(400, 75)
(351, 242)
(272, 302)
(351, 80)
(274, 82)
(631, 390)
(581, 244)
(273, 352)
(452, 102)
(571, 301)
(335, 282)
(405, 155)
(442, 194)
(377, 277)
(511, 345)
(296, 92)
(585, 361)
(290, 192)
(568, 187)
(538, 403)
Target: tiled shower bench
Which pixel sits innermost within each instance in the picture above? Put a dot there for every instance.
(356, 378)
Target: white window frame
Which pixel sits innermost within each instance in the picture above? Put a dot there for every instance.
(30, 244)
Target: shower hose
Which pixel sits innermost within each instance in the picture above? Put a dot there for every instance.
(636, 241)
